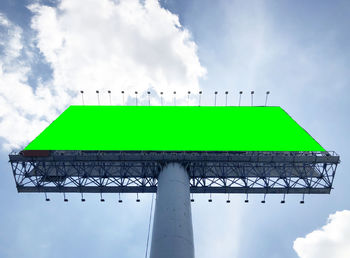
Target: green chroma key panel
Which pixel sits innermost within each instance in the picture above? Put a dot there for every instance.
(174, 128)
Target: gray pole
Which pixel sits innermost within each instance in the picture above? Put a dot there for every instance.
(172, 235)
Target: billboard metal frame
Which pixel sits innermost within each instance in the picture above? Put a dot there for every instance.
(209, 172)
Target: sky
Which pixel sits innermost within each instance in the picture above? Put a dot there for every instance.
(297, 50)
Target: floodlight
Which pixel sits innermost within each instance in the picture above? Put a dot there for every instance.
(228, 201)
(149, 98)
(46, 198)
(98, 97)
(110, 98)
(215, 97)
(83, 200)
(123, 96)
(267, 94)
(252, 93)
(210, 200)
(284, 199)
(240, 97)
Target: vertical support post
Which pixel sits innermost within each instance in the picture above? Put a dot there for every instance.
(172, 235)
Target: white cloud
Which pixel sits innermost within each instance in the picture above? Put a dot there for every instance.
(91, 45)
(332, 240)
(125, 45)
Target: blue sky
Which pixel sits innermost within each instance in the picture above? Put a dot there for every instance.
(298, 50)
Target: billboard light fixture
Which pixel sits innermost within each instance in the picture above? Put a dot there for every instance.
(216, 93)
(240, 98)
(284, 199)
(82, 96)
(46, 198)
(110, 97)
(267, 94)
(64, 197)
(188, 98)
(149, 98)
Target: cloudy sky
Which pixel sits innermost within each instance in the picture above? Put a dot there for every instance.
(298, 50)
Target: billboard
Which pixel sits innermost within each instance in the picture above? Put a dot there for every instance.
(174, 128)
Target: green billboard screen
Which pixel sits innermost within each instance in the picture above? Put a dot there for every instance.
(174, 128)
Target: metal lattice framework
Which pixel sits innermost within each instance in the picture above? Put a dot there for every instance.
(210, 172)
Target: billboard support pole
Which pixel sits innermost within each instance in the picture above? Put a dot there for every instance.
(172, 235)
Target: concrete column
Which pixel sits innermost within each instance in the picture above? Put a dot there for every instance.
(172, 235)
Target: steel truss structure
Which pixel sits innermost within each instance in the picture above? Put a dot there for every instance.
(210, 172)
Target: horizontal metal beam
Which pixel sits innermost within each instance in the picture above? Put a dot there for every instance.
(153, 189)
(185, 156)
